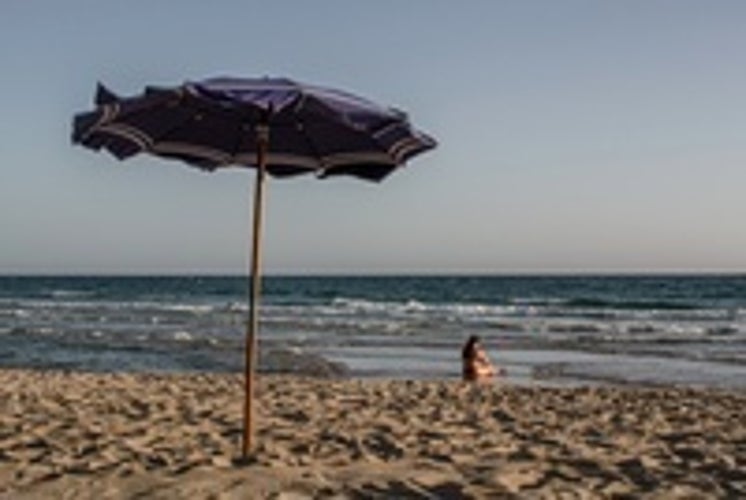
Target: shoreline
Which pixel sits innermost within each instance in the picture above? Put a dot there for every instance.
(127, 435)
(557, 364)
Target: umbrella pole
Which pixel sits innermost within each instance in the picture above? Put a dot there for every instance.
(252, 328)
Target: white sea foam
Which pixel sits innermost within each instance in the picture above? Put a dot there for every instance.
(415, 307)
(70, 293)
(537, 301)
(189, 308)
(182, 336)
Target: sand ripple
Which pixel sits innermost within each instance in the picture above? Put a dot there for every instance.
(74, 435)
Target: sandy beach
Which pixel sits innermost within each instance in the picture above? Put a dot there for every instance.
(83, 435)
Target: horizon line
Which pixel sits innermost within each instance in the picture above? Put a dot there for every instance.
(389, 273)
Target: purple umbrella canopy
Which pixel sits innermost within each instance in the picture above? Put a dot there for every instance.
(278, 126)
(211, 124)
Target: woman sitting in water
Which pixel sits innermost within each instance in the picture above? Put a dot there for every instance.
(476, 365)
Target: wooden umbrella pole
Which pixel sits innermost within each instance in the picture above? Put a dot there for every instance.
(252, 327)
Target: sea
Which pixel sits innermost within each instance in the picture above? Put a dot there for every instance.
(544, 330)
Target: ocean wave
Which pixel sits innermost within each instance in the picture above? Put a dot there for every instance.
(412, 307)
(363, 305)
(190, 308)
(36, 303)
(654, 305)
(182, 336)
(523, 309)
(452, 312)
(61, 293)
(20, 313)
(596, 303)
(576, 328)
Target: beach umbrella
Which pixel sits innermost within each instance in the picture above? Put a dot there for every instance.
(278, 126)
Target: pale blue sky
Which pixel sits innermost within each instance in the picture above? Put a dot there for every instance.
(574, 136)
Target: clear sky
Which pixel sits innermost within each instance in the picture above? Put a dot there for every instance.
(574, 136)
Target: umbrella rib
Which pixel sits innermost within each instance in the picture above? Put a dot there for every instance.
(376, 157)
(315, 161)
(342, 97)
(279, 159)
(109, 112)
(132, 134)
(106, 115)
(203, 152)
(403, 147)
(321, 162)
(325, 162)
(219, 157)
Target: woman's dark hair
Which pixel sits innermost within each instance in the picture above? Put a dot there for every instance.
(470, 347)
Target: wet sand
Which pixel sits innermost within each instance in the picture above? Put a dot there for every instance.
(83, 435)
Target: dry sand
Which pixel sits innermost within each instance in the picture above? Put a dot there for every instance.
(77, 435)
